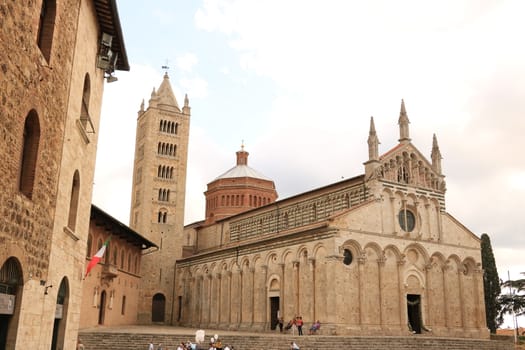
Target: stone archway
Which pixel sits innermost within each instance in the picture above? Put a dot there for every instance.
(11, 280)
(158, 308)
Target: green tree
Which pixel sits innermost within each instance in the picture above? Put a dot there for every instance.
(514, 301)
(491, 285)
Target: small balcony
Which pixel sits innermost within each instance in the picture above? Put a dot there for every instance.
(109, 271)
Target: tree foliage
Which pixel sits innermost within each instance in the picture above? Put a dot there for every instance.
(514, 301)
(491, 285)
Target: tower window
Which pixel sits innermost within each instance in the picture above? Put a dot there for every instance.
(73, 201)
(31, 139)
(46, 27)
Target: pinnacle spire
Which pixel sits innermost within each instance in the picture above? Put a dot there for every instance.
(436, 155)
(165, 93)
(373, 142)
(404, 134)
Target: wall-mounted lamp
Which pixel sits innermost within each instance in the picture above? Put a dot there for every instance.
(45, 291)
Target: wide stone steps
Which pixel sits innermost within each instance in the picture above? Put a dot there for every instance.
(94, 340)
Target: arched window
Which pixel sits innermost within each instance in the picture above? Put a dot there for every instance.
(176, 127)
(115, 256)
(159, 217)
(165, 217)
(46, 27)
(129, 262)
(122, 257)
(30, 140)
(85, 119)
(73, 202)
(89, 245)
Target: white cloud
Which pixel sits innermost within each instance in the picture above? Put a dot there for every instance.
(186, 62)
(196, 87)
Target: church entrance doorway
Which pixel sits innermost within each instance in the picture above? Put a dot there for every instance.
(158, 308)
(274, 312)
(414, 312)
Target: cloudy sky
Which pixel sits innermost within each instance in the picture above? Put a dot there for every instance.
(299, 80)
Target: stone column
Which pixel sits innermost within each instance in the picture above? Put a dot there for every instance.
(252, 294)
(361, 260)
(241, 294)
(312, 287)
(296, 286)
(439, 224)
(200, 298)
(403, 321)
(229, 306)
(380, 267)
(219, 308)
(444, 269)
(480, 300)
(331, 312)
(393, 210)
(462, 295)
(282, 291)
(264, 292)
(210, 298)
(429, 224)
(428, 300)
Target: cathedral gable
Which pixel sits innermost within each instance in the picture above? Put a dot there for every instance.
(404, 164)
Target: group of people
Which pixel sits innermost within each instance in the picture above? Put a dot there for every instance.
(298, 323)
(215, 344)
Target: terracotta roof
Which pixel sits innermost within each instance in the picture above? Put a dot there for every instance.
(120, 230)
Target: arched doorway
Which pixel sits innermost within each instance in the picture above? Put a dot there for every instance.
(59, 326)
(274, 291)
(158, 308)
(414, 312)
(102, 310)
(11, 282)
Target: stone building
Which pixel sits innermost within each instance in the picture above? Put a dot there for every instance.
(374, 254)
(158, 194)
(54, 58)
(111, 289)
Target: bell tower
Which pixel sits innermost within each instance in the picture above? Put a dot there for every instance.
(158, 194)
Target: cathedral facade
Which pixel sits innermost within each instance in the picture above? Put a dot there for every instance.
(374, 254)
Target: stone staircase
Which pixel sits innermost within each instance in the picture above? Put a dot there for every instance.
(95, 340)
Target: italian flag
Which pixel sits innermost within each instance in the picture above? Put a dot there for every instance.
(97, 257)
